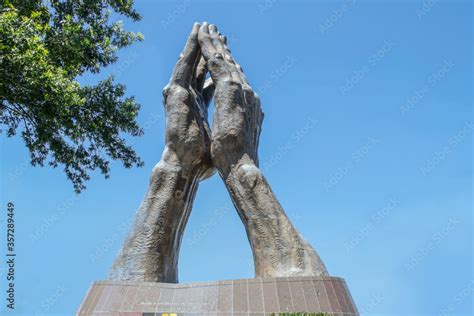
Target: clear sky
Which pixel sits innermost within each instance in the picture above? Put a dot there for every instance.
(367, 143)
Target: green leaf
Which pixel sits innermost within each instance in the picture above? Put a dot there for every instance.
(44, 50)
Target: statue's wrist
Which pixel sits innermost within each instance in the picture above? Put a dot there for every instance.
(184, 166)
(228, 165)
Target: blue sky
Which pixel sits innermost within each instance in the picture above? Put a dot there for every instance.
(367, 143)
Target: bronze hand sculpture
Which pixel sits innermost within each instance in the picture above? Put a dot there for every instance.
(192, 151)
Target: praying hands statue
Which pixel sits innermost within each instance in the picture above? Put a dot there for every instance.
(193, 152)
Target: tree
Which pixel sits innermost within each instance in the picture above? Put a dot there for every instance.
(44, 47)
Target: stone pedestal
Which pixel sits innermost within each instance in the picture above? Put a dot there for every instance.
(259, 296)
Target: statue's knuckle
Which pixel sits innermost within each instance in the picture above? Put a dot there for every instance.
(177, 93)
(227, 142)
(218, 56)
(176, 88)
(231, 85)
(166, 91)
(172, 140)
(257, 97)
(249, 175)
(156, 172)
(229, 59)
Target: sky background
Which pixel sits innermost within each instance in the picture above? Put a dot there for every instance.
(367, 143)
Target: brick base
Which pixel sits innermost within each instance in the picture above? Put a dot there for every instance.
(257, 296)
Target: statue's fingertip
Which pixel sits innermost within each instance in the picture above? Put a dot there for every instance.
(196, 27)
